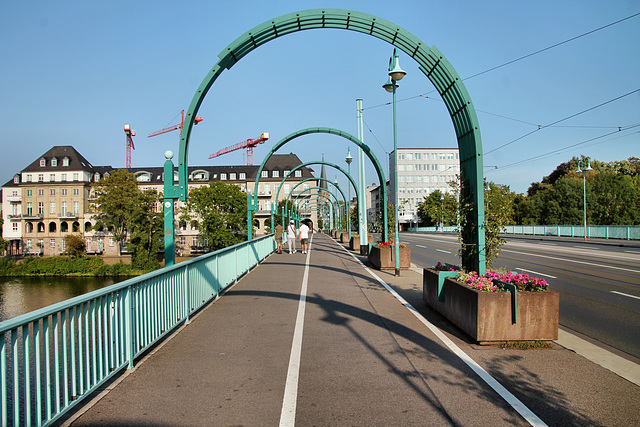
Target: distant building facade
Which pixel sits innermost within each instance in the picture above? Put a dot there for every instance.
(52, 197)
(421, 171)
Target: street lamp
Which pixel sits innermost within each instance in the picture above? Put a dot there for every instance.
(339, 215)
(349, 159)
(395, 74)
(442, 212)
(583, 170)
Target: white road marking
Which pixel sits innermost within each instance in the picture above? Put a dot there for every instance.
(420, 246)
(290, 400)
(535, 272)
(573, 260)
(516, 404)
(440, 250)
(626, 295)
(632, 252)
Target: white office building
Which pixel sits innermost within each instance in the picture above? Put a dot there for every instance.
(421, 171)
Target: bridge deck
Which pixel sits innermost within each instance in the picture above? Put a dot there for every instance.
(365, 360)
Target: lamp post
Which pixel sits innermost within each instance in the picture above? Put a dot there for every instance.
(395, 74)
(349, 159)
(339, 219)
(583, 170)
(442, 212)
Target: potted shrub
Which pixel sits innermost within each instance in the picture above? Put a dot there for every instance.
(381, 256)
(494, 307)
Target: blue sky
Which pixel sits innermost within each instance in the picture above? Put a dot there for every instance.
(75, 71)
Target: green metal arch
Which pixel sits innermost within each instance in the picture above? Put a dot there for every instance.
(431, 62)
(317, 162)
(344, 198)
(318, 195)
(331, 131)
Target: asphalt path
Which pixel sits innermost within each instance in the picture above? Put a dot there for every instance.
(599, 284)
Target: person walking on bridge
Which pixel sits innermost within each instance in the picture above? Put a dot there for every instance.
(279, 237)
(292, 235)
(304, 238)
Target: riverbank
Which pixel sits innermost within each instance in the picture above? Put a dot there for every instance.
(64, 266)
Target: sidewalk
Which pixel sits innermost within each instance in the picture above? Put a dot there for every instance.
(364, 358)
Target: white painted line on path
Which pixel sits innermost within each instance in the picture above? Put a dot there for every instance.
(516, 404)
(625, 295)
(420, 246)
(440, 250)
(632, 252)
(288, 414)
(535, 272)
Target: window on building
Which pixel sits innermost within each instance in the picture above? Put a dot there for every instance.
(287, 188)
(232, 176)
(223, 176)
(401, 168)
(298, 173)
(52, 243)
(400, 156)
(29, 244)
(286, 173)
(16, 179)
(76, 191)
(76, 207)
(14, 226)
(75, 176)
(111, 241)
(63, 177)
(52, 177)
(43, 162)
(29, 209)
(401, 179)
(41, 192)
(52, 192)
(28, 177)
(64, 208)
(410, 168)
(243, 175)
(96, 177)
(409, 156)
(52, 207)
(267, 189)
(40, 208)
(40, 177)
(64, 191)
(29, 193)
(417, 156)
(275, 174)
(65, 161)
(264, 174)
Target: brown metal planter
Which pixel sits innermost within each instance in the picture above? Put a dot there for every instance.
(489, 317)
(383, 258)
(344, 237)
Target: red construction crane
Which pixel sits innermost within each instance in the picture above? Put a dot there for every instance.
(248, 144)
(174, 127)
(130, 133)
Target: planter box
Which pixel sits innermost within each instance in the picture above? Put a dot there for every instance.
(383, 258)
(364, 250)
(344, 237)
(489, 317)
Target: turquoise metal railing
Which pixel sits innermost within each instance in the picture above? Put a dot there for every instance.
(50, 359)
(624, 232)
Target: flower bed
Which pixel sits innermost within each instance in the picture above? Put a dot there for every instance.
(480, 307)
(381, 256)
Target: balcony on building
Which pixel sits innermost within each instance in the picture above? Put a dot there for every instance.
(68, 215)
(12, 198)
(14, 217)
(32, 216)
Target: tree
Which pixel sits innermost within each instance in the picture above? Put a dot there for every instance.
(221, 210)
(115, 201)
(433, 209)
(147, 227)
(3, 243)
(75, 246)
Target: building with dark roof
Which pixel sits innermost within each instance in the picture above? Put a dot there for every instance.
(52, 197)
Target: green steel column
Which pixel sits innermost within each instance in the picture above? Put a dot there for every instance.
(249, 225)
(362, 197)
(169, 239)
(396, 239)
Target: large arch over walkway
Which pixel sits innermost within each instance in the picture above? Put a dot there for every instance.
(432, 63)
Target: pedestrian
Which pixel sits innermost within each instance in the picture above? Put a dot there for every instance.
(304, 237)
(279, 236)
(291, 235)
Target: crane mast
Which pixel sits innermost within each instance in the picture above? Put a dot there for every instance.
(129, 134)
(249, 144)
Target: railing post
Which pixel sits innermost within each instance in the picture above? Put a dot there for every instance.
(187, 299)
(128, 321)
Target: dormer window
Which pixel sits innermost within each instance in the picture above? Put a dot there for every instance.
(65, 161)
(54, 162)
(16, 179)
(96, 177)
(43, 162)
(275, 174)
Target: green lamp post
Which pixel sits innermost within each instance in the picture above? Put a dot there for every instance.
(395, 74)
(583, 171)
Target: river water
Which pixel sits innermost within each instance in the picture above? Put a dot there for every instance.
(19, 295)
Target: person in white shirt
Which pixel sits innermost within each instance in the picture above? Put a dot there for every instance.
(291, 236)
(304, 237)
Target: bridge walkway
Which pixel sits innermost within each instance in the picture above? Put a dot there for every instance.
(364, 358)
